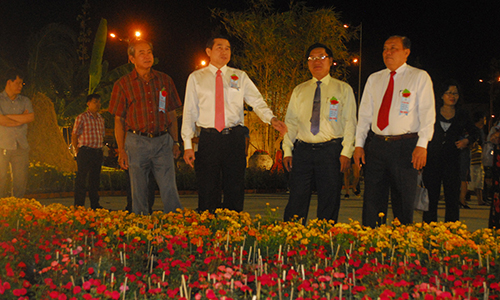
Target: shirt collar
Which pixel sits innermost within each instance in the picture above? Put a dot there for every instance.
(6, 96)
(399, 70)
(134, 75)
(214, 69)
(324, 80)
(92, 115)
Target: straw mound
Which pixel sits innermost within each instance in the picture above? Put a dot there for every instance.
(45, 138)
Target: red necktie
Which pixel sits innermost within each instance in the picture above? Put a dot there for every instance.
(383, 113)
(220, 121)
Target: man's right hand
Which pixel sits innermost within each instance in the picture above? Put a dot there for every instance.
(287, 161)
(123, 159)
(189, 157)
(359, 156)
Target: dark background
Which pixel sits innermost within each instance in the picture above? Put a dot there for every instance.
(455, 39)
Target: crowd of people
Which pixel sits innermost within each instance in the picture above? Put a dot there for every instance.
(405, 125)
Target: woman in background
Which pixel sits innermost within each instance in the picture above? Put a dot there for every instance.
(443, 152)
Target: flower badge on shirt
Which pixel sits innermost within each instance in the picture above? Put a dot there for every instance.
(163, 97)
(234, 82)
(405, 102)
(334, 107)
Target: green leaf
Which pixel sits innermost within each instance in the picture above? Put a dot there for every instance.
(95, 70)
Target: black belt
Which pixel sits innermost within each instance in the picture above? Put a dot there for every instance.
(147, 134)
(392, 138)
(224, 131)
(90, 148)
(319, 145)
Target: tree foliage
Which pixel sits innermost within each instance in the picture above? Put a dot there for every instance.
(96, 66)
(271, 47)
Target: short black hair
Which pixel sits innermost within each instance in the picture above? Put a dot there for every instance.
(12, 75)
(93, 96)
(318, 45)
(405, 40)
(211, 41)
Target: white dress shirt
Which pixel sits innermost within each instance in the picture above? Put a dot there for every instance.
(409, 113)
(199, 103)
(336, 120)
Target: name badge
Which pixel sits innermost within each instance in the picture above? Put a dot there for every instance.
(163, 97)
(233, 83)
(405, 102)
(334, 109)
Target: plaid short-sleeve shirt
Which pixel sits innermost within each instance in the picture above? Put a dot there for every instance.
(137, 101)
(90, 130)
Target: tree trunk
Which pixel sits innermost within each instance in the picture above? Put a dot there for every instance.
(45, 138)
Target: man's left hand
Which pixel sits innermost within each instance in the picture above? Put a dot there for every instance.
(279, 125)
(345, 163)
(176, 150)
(419, 158)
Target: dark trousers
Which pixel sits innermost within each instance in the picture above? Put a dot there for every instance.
(319, 166)
(89, 163)
(220, 166)
(389, 168)
(447, 171)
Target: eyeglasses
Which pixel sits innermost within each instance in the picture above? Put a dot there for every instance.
(310, 58)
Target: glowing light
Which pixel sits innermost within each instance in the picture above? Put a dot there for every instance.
(480, 80)
(203, 62)
(335, 63)
(112, 35)
(355, 60)
(137, 33)
(346, 26)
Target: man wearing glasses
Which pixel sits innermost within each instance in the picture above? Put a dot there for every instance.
(321, 121)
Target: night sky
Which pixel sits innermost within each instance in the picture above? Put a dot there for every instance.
(456, 39)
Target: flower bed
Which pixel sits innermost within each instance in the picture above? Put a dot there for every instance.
(58, 252)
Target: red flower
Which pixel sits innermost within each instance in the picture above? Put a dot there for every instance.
(19, 292)
(77, 289)
(234, 77)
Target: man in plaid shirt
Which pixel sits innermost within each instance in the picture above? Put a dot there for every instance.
(144, 103)
(87, 139)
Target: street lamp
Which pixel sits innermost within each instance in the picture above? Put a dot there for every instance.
(137, 35)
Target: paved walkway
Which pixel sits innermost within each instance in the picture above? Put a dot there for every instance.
(475, 218)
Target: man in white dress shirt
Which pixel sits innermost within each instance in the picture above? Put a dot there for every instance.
(215, 97)
(398, 106)
(322, 149)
